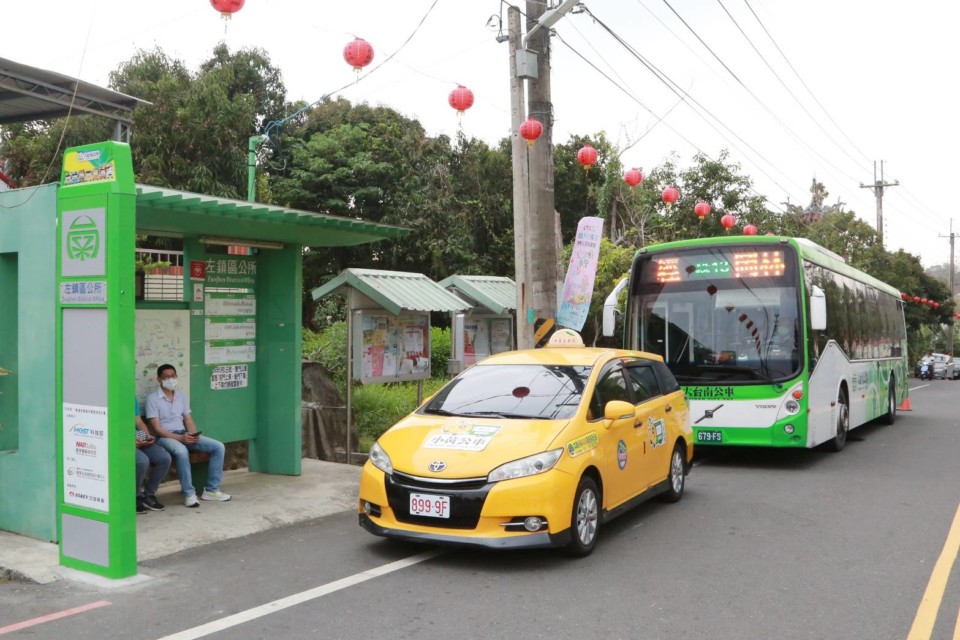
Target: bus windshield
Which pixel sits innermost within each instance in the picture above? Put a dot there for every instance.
(727, 314)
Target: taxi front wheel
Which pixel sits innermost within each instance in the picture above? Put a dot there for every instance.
(585, 520)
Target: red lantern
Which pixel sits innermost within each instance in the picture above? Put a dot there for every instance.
(461, 99)
(227, 7)
(670, 195)
(531, 130)
(358, 54)
(702, 209)
(936, 305)
(904, 296)
(916, 298)
(924, 301)
(633, 177)
(749, 230)
(728, 221)
(587, 156)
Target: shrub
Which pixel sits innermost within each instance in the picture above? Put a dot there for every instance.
(377, 407)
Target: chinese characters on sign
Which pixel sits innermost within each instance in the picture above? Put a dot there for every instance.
(231, 376)
(85, 468)
(86, 292)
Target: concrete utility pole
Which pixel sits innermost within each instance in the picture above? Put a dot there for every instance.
(878, 187)
(536, 223)
(952, 290)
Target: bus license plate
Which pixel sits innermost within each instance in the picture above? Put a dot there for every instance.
(422, 504)
(709, 435)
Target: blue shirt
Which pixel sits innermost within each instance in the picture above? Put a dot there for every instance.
(170, 412)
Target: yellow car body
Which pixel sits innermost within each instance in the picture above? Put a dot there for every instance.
(610, 419)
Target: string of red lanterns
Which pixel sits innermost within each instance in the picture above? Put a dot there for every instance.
(933, 304)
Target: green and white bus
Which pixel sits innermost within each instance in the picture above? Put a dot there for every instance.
(776, 341)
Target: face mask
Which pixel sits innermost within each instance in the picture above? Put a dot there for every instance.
(169, 383)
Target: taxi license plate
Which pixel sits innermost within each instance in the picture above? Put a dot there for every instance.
(709, 435)
(422, 504)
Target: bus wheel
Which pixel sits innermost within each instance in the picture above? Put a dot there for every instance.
(891, 416)
(843, 423)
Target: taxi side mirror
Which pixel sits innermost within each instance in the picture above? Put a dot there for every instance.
(618, 412)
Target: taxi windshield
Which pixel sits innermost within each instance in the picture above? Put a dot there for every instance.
(522, 391)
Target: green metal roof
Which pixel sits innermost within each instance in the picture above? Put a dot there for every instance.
(395, 291)
(182, 213)
(496, 293)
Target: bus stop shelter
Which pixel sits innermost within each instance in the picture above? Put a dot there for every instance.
(77, 341)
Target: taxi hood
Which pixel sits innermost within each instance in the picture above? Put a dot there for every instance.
(470, 447)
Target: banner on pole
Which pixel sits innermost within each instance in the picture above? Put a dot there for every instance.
(578, 285)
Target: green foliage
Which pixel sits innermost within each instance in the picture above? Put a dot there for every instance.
(329, 347)
(378, 407)
(440, 351)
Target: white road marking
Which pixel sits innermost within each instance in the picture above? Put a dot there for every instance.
(299, 598)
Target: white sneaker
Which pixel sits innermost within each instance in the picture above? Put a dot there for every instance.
(216, 496)
(191, 501)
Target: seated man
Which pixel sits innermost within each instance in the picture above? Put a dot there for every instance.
(168, 411)
(148, 453)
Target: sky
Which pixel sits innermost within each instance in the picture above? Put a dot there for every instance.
(795, 91)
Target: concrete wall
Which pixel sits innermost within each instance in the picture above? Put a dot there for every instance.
(28, 461)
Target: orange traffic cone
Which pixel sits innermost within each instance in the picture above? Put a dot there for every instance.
(906, 405)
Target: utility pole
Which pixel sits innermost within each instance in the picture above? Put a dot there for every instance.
(952, 290)
(536, 223)
(878, 187)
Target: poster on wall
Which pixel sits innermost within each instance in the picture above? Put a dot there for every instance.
(85, 457)
(388, 348)
(162, 337)
(230, 328)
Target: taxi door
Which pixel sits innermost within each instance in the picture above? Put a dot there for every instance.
(651, 421)
(622, 446)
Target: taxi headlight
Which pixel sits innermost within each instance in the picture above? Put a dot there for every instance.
(380, 459)
(529, 466)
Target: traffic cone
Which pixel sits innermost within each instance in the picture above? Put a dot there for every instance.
(906, 405)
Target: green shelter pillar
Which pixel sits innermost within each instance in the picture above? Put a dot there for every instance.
(96, 209)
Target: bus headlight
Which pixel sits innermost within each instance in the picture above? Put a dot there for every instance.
(792, 406)
(788, 428)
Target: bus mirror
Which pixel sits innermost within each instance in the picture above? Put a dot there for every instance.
(818, 309)
(610, 308)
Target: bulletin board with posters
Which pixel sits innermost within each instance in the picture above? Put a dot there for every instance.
(479, 336)
(389, 348)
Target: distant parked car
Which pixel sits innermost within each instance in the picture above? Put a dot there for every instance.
(943, 367)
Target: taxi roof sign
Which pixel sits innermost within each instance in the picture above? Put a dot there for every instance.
(565, 338)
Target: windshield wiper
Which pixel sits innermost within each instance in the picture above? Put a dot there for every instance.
(500, 414)
(440, 412)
